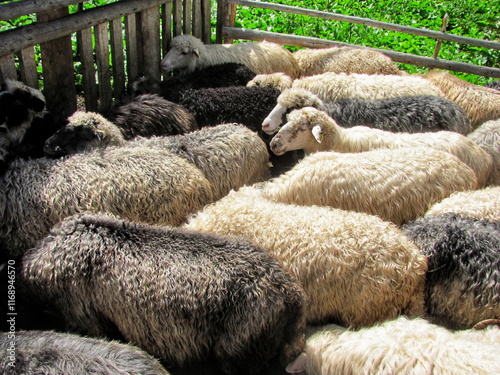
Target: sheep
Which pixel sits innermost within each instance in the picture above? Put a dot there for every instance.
(312, 130)
(188, 53)
(147, 115)
(141, 184)
(401, 346)
(183, 296)
(412, 114)
(479, 102)
(279, 81)
(482, 204)
(221, 75)
(347, 60)
(19, 105)
(229, 155)
(398, 185)
(494, 84)
(487, 136)
(355, 268)
(331, 87)
(55, 353)
(463, 283)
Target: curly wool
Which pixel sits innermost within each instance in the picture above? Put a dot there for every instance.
(463, 281)
(299, 133)
(279, 81)
(401, 347)
(344, 60)
(479, 102)
(229, 155)
(487, 136)
(355, 268)
(139, 184)
(398, 185)
(262, 58)
(220, 75)
(181, 295)
(54, 353)
(481, 204)
(412, 114)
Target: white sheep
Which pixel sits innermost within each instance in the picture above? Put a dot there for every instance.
(399, 347)
(279, 81)
(344, 60)
(482, 204)
(188, 53)
(487, 136)
(355, 268)
(330, 87)
(396, 184)
(312, 130)
(479, 102)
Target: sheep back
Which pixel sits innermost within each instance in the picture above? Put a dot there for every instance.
(54, 353)
(347, 60)
(182, 296)
(463, 283)
(150, 185)
(402, 346)
(481, 204)
(398, 184)
(323, 248)
(487, 136)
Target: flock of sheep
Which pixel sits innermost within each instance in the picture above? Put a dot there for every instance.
(261, 211)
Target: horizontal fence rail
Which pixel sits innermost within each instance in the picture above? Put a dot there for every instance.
(229, 32)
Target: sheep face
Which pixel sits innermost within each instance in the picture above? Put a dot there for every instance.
(184, 53)
(73, 140)
(288, 101)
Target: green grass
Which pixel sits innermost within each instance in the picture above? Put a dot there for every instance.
(475, 19)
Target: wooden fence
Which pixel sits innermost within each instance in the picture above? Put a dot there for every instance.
(226, 32)
(116, 43)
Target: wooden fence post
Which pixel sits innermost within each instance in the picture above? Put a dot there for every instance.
(438, 43)
(58, 71)
(226, 16)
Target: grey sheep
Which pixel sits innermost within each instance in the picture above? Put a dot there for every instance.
(54, 353)
(146, 116)
(462, 287)
(412, 114)
(141, 183)
(183, 296)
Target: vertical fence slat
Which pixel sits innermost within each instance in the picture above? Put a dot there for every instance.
(186, 16)
(177, 13)
(207, 21)
(86, 51)
(8, 68)
(197, 20)
(117, 57)
(166, 27)
(140, 43)
(151, 42)
(58, 71)
(27, 67)
(103, 67)
(131, 43)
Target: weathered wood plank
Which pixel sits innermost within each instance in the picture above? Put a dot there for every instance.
(103, 67)
(117, 57)
(23, 7)
(57, 65)
(27, 67)
(17, 39)
(166, 27)
(131, 43)
(177, 16)
(151, 42)
(310, 42)
(197, 20)
(7, 68)
(186, 17)
(86, 52)
(207, 21)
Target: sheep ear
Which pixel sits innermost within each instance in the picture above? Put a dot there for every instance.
(317, 133)
(298, 365)
(196, 51)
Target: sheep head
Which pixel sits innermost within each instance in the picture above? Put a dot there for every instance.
(304, 130)
(183, 56)
(289, 100)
